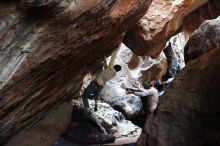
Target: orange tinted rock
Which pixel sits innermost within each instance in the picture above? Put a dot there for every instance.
(163, 20)
(44, 56)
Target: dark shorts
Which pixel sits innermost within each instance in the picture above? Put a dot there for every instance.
(92, 90)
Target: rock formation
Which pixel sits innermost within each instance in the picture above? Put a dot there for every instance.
(47, 46)
(178, 43)
(153, 69)
(163, 20)
(47, 130)
(133, 68)
(204, 39)
(44, 51)
(209, 10)
(130, 105)
(188, 113)
(114, 122)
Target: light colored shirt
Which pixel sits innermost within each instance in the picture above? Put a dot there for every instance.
(105, 75)
(109, 72)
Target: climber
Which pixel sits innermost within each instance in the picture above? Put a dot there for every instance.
(97, 84)
(152, 94)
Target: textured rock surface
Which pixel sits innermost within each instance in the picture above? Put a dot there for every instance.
(163, 19)
(114, 122)
(129, 104)
(47, 130)
(210, 10)
(43, 56)
(38, 5)
(153, 69)
(178, 43)
(188, 113)
(204, 39)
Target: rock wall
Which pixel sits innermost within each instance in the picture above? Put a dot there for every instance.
(206, 11)
(204, 39)
(113, 121)
(188, 113)
(47, 130)
(164, 19)
(154, 69)
(178, 42)
(43, 49)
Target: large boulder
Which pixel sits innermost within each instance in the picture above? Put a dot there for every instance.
(162, 20)
(188, 113)
(45, 57)
(47, 130)
(113, 121)
(178, 43)
(204, 39)
(192, 21)
(129, 104)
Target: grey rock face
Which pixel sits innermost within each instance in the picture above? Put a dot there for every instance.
(114, 122)
(204, 39)
(129, 104)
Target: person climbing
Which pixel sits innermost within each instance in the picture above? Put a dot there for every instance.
(152, 94)
(98, 83)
